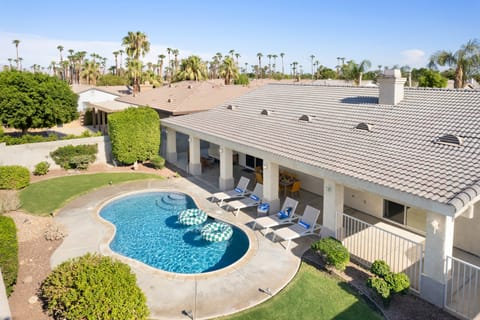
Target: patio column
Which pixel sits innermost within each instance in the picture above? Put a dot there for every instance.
(332, 203)
(270, 185)
(226, 181)
(438, 244)
(171, 145)
(194, 165)
(104, 122)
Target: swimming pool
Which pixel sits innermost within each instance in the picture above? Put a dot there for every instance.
(147, 230)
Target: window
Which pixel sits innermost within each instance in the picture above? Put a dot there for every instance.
(412, 218)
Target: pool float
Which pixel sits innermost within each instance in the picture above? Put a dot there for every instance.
(217, 231)
(192, 217)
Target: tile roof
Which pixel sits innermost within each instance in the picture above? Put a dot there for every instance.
(116, 90)
(400, 152)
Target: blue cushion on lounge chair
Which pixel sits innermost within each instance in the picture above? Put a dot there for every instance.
(238, 190)
(288, 210)
(304, 224)
(282, 215)
(264, 206)
(254, 197)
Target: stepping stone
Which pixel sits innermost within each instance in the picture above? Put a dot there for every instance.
(33, 299)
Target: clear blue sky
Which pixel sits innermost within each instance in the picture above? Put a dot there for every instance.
(385, 32)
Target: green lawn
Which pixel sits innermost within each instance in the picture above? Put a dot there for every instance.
(44, 197)
(312, 294)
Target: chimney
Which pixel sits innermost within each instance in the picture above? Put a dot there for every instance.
(391, 87)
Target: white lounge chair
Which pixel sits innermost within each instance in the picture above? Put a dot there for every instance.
(306, 225)
(253, 200)
(239, 192)
(284, 216)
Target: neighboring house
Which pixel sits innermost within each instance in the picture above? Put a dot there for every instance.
(407, 157)
(93, 94)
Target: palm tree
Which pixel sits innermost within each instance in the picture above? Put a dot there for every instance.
(246, 67)
(274, 61)
(294, 63)
(10, 63)
(192, 68)
(136, 44)
(259, 55)
(281, 56)
(60, 48)
(90, 71)
(228, 70)
(231, 52)
(121, 59)
(237, 55)
(465, 61)
(160, 64)
(176, 52)
(16, 43)
(115, 54)
(20, 59)
(311, 62)
(169, 51)
(269, 56)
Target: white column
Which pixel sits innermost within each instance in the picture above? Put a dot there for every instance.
(270, 185)
(171, 145)
(194, 165)
(226, 181)
(332, 203)
(438, 244)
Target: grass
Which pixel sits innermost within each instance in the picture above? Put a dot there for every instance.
(312, 294)
(44, 197)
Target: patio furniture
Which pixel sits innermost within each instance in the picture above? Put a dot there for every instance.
(306, 225)
(258, 177)
(295, 188)
(253, 200)
(284, 216)
(240, 191)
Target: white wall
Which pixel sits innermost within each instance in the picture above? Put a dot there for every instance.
(28, 155)
(93, 95)
(364, 201)
(466, 232)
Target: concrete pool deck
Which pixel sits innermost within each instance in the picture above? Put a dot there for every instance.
(232, 289)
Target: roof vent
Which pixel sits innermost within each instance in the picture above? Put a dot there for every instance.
(364, 126)
(169, 100)
(231, 107)
(305, 117)
(266, 112)
(450, 139)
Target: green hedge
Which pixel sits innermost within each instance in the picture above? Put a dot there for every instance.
(8, 252)
(134, 134)
(14, 177)
(334, 252)
(75, 157)
(93, 287)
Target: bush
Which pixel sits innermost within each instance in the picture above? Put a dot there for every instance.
(88, 117)
(334, 252)
(398, 282)
(158, 162)
(8, 252)
(9, 200)
(93, 287)
(380, 268)
(381, 287)
(242, 80)
(75, 157)
(14, 177)
(134, 134)
(41, 168)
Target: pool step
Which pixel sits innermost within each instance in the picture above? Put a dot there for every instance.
(175, 199)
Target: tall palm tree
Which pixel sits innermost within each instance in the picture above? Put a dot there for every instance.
(228, 70)
(231, 52)
(274, 61)
(137, 45)
(465, 60)
(91, 71)
(160, 64)
(294, 63)
(20, 59)
(281, 56)
(237, 55)
(115, 54)
(259, 55)
(121, 59)
(10, 63)
(169, 51)
(60, 49)
(176, 52)
(246, 67)
(269, 56)
(311, 62)
(16, 43)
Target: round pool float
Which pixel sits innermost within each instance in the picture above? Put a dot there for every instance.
(191, 217)
(217, 231)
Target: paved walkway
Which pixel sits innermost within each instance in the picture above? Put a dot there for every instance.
(235, 288)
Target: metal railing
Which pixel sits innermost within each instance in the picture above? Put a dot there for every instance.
(367, 243)
(462, 295)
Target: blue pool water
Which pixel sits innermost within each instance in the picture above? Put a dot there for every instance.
(147, 230)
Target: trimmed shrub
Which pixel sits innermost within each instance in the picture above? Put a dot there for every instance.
(334, 252)
(380, 268)
(157, 162)
(381, 287)
(93, 287)
(75, 157)
(14, 177)
(135, 134)
(398, 282)
(242, 80)
(8, 252)
(41, 168)
(9, 200)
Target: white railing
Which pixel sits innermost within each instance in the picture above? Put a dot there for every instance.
(462, 295)
(367, 243)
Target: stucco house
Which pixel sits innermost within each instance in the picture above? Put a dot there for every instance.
(407, 158)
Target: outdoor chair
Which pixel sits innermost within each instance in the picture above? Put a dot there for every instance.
(286, 215)
(239, 192)
(253, 200)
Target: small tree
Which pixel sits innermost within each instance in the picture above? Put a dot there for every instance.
(35, 100)
(135, 134)
(431, 79)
